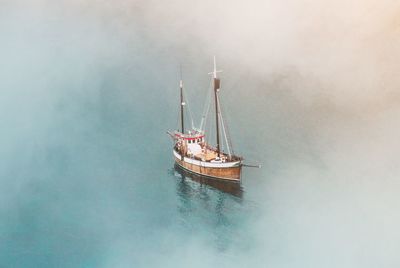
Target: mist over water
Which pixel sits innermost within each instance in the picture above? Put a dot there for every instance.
(88, 89)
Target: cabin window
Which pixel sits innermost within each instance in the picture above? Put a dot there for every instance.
(189, 141)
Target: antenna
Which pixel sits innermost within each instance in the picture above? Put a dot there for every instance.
(180, 72)
(214, 72)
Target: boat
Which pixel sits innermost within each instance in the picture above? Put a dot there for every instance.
(192, 150)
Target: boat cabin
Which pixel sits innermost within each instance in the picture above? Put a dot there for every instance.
(193, 142)
(194, 146)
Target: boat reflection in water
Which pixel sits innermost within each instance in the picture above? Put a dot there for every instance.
(229, 187)
(211, 205)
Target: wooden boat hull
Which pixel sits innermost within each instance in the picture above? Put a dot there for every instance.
(234, 188)
(229, 173)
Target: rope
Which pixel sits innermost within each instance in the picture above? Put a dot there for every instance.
(211, 130)
(188, 107)
(206, 108)
(223, 129)
(178, 118)
(229, 140)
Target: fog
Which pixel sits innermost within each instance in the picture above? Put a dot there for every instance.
(88, 89)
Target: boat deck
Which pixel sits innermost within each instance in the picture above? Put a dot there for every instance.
(206, 156)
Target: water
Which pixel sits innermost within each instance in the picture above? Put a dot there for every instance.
(87, 177)
(104, 198)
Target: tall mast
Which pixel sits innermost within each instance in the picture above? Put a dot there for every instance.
(182, 124)
(182, 104)
(216, 89)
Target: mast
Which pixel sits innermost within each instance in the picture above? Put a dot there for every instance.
(216, 89)
(182, 122)
(182, 104)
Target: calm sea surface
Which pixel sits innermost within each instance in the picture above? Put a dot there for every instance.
(89, 181)
(87, 177)
(104, 196)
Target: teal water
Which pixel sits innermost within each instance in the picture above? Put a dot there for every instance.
(87, 173)
(87, 177)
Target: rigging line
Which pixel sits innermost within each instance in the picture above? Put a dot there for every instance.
(226, 126)
(225, 136)
(222, 110)
(188, 108)
(178, 117)
(177, 120)
(205, 116)
(206, 108)
(224, 143)
(221, 124)
(223, 129)
(210, 136)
